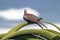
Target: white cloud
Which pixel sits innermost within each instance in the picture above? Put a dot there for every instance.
(16, 14)
(3, 30)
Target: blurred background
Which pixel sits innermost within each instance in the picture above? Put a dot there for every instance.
(11, 12)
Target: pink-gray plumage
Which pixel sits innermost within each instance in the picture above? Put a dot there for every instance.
(32, 19)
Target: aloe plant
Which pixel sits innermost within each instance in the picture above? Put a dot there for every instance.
(57, 33)
(46, 33)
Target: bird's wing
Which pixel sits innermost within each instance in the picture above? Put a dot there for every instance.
(34, 16)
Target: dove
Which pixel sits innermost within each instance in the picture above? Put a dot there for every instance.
(30, 18)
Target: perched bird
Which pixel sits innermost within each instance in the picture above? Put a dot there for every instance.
(30, 18)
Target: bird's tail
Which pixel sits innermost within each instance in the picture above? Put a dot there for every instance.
(39, 23)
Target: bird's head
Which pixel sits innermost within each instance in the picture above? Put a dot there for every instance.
(25, 11)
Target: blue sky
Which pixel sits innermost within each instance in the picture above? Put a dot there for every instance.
(48, 9)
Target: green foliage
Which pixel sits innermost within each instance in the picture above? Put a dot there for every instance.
(26, 34)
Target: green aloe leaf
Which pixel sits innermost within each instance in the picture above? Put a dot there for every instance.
(43, 33)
